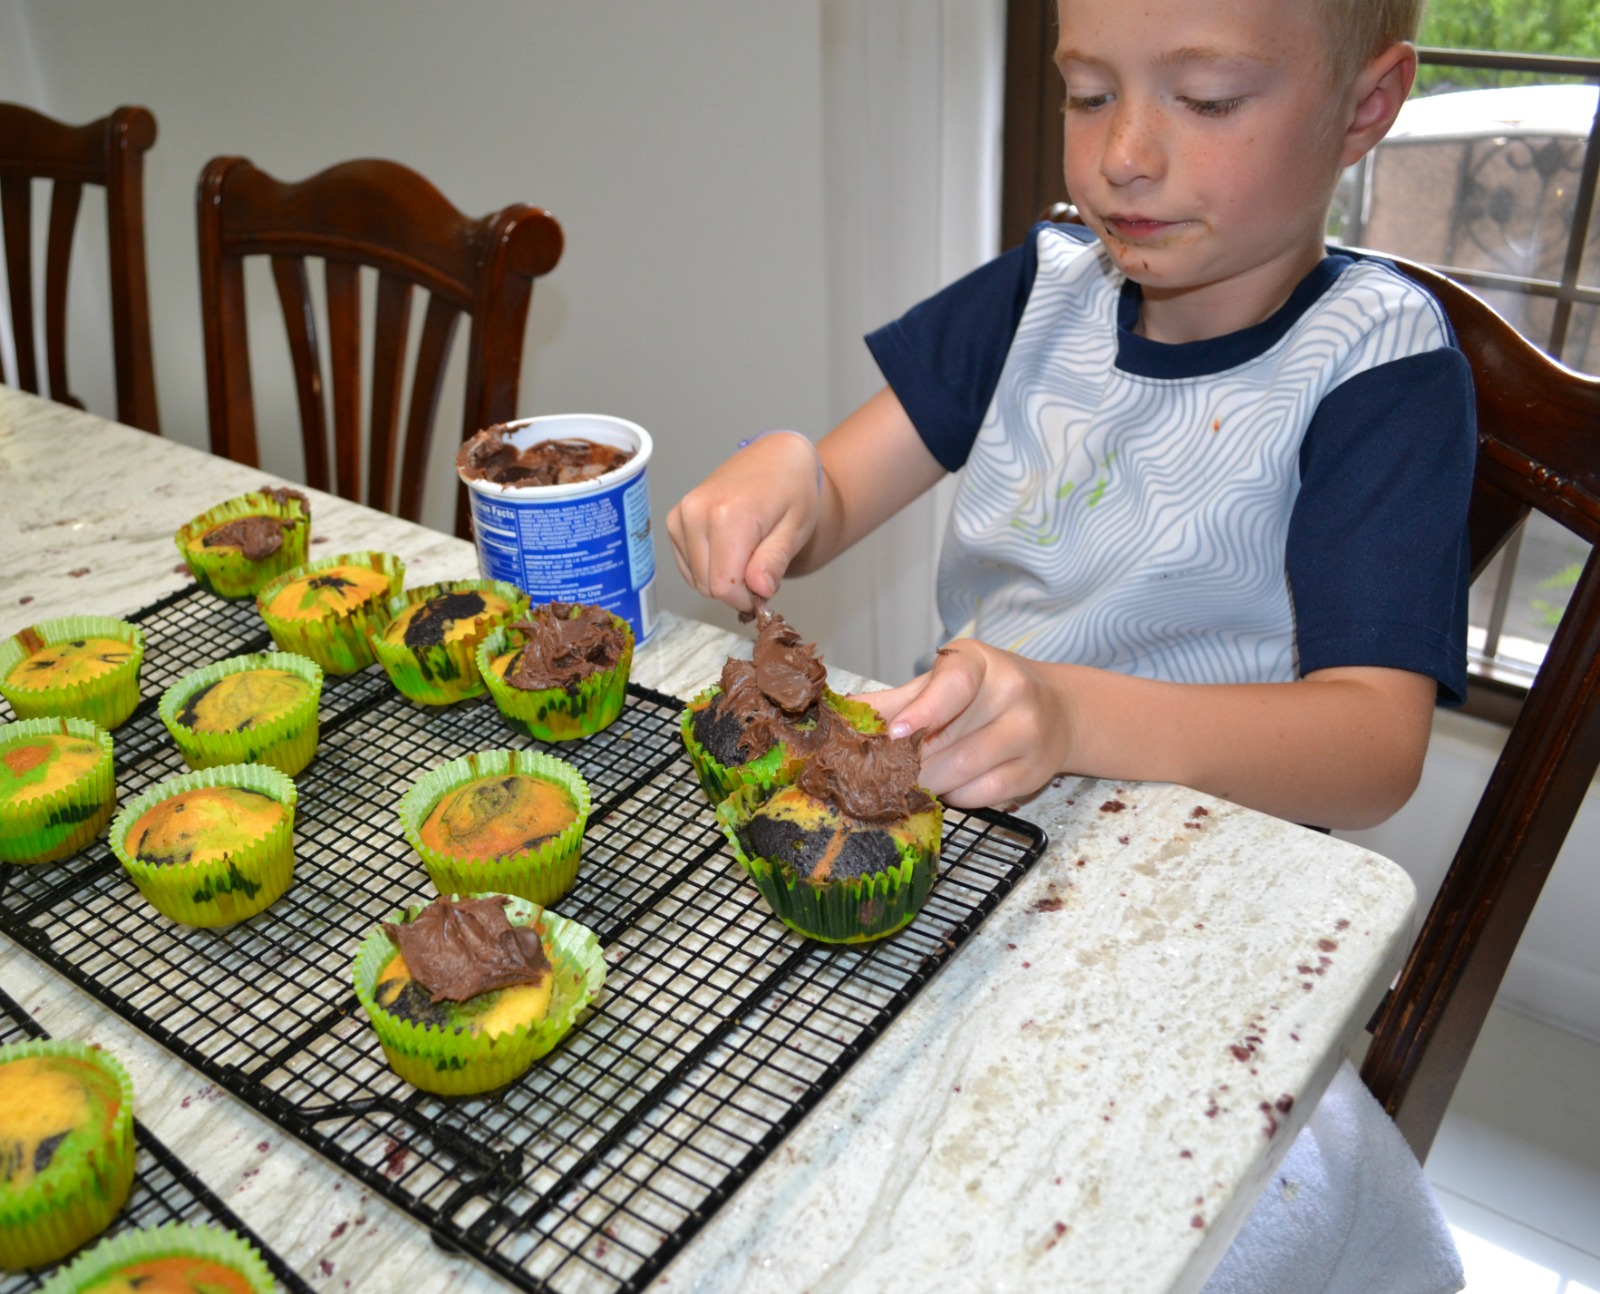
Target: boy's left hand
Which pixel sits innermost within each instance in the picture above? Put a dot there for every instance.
(996, 727)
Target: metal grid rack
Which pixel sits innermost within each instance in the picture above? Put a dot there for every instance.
(716, 1031)
(164, 1190)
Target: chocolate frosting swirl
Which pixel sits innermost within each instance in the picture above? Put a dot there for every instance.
(788, 670)
(457, 949)
(255, 537)
(871, 777)
(564, 643)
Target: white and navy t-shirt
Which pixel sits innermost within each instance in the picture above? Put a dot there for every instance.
(1249, 508)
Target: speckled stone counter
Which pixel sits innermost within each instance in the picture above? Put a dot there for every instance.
(1089, 1096)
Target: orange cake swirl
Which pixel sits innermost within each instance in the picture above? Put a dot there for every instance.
(444, 618)
(202, 825)
(52, 1109)
(492, 817)
(243, 700)
(331, 591)
(36, 766)
(172, 1274)
(65, 663)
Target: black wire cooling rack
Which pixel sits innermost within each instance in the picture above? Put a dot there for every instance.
(716, 1031)
(164, 1190)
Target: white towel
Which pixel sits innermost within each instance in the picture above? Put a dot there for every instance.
(1348, 1212)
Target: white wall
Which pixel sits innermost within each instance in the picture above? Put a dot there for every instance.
(685, 147)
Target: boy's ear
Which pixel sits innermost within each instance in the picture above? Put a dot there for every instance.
(1379, 90)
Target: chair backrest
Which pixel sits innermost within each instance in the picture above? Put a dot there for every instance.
(109, 153)
(384, 217)
(1538, 448)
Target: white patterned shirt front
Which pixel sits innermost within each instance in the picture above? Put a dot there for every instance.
(1139, 523)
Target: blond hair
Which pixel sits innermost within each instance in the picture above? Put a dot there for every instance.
(1360, 30)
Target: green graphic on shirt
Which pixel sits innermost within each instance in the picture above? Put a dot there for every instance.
(1037, 532)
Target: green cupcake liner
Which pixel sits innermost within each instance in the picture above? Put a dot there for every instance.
(170, 1240)
(838, 911)
(285, 742)
(455, 1062)
(778, 767)
(227, 889)
(555, 714)
(43, 828)
(338, 643)
(226, 571)
(446, 672)
(107, 700)
(76, 1198)
(539, 875)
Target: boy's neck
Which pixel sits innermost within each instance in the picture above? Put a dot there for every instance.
(1229, 305)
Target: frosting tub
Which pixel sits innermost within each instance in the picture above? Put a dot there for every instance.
(561, 508)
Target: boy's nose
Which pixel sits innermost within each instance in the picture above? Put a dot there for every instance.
(1133, 148)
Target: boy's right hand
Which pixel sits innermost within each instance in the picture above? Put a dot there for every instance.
(735, 534)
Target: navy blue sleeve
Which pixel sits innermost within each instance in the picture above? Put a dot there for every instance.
(1377, 547)
(943, 357)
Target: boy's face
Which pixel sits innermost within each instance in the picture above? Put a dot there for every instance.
(1203, 142)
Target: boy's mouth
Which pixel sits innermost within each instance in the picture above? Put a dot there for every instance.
(1138, 229)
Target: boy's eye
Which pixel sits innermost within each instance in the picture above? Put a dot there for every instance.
(1212, 107)
(1085, 102)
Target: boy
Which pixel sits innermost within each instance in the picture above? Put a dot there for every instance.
(1212, 524)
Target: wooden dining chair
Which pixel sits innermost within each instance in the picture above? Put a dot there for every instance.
(382, 217)
(108, 153)
(1538, 448)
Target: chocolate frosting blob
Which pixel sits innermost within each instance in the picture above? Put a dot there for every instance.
(457, 949)
(563, 644)
(788, 670)
(871, 777)
(255, 537)
(491, 455)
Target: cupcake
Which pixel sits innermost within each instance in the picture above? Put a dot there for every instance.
(324, 608)
(212, 847)
(66, 1148)
(259, 709)
(761, 720)
(848, 851)
(466, 993)
(85, 667)
(174, 1258)
(505, 821)
(57, 788)
(562, 672)
(429, 645)
(237, 546)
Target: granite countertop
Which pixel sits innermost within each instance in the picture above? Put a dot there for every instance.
(1089, 1095)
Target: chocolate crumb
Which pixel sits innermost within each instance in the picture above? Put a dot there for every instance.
(79, 573)
(1113, 806)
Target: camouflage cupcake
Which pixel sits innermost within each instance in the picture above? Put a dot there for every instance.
(428, 644)
(465, 994)
(84, 667)
(259, 709)
(211, 847)
(504, 821)
(57, 788)
(174, 1258)
(759, 723)
(236, 547)
(848, 852)
(324, 608)
(562, 672)
(66, 1123)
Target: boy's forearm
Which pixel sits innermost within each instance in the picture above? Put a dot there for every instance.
(1340, 748)
(873, 464)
